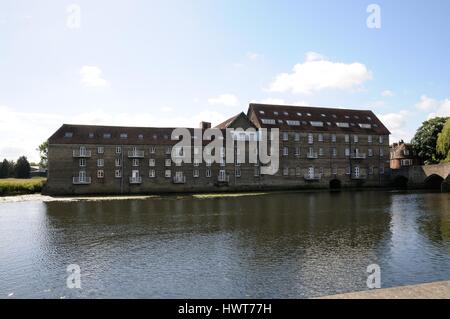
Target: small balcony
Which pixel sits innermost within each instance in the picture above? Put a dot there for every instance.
(81, 180)
(359, 156)
(81, 153)
(136, 180)
(179, 179)
(311, 155)
(358, 177)
(312, 177)
(136, 154)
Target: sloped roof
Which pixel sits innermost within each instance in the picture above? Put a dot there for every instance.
(229, 122)
(359, 121)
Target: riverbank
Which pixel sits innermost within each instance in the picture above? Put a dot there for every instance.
(434, 290)
(17, 186)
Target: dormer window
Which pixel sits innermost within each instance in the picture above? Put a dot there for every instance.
(280, 121)
(309, 114)
(369, 118)
(299, 114)
(106, 135)
(123, 135)
(323, 115)
(68, 135)
(91, 135)
(363, 125)
(334, 115)
(140, 136)
(261, 112)
(316, 123)
(342, 124)
(347, 117)
(155, 136)
(286, 113)
(275, 113)
(268, 121)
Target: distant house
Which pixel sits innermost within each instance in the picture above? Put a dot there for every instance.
(402, 154)
(37, 171)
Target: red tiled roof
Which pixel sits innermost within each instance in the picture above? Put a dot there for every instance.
(306, 114)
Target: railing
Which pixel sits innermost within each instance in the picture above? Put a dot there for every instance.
(358, 155)
(179, 179)
(78, 153)
(81, 180)
(311, 155)
(223, 178)
(136, 180)
(136, 154)
(358, 177)
(313, 177)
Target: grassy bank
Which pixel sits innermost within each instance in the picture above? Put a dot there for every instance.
(15, 186)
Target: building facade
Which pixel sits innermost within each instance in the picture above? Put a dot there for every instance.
(318, 148)
(403, 155)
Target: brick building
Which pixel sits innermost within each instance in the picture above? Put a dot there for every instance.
(318, 148)
(402, 155)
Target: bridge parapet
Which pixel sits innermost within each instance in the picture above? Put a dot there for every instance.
(424, 176)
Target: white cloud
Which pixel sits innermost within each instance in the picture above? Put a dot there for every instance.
(396, 123)
(436, 107)
(279, 101)
(253, 55)
(167, 109)
(224, 99)
(317, 73)
(387, 93)
(91, 76)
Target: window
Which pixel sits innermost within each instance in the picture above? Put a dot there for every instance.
(320, 137)
(275, 113)
(369, 139)
(82, 162)
(118, 173)
(285, 113)
(342, 124)
(168, 162)
(261, 112)
(297, 137)
(347, 138)
(371, 170)
(285, 151)
(237, 171)
(406, 152)
(151, 173)
(118, 150)
(310, 138)
(380, 139)
(299, 114)
(334, 170)
(347, 152)
(256, 172)
(333, 138)
(317, 123)
(151, 162)
(208, 162)
(208, 172)
(107, 135)
(135, 162)
(347, 171)
(297, 151)
(268, 121)
(68, 134)
(140, 136)
(285, 171)
(195, 173)
(168, 150)
(100, 173)
(285, 136)
(298, 171)
(100, 162)
(123, 135)
(167, 173)
(280, 121)
(381, 170)
(91, 135)
(355, 138)
(320, 151)
(196, 162)
(152, 149)
(293, 123)
(100, 150)
(361, 125)
(370, 152)
(381, 152)
(334, 151)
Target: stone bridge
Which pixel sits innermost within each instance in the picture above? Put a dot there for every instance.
(425, 176)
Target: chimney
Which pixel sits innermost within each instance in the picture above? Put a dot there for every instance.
(205, 125)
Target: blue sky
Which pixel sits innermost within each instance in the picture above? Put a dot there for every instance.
(168, 63)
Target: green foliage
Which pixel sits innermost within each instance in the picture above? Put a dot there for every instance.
(12, 186)
(22, 168)
(425, 140)
(6, 169)
(443, 142)
(43, 153)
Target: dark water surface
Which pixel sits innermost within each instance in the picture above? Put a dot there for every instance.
(290, 245)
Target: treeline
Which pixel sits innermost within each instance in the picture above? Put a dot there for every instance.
(18, 169)
(432, 141)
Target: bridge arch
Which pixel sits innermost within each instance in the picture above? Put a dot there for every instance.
(401, 181)
(335, 184)
(434, 181)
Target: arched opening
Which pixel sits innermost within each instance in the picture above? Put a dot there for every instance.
(401, 182)
(433, 182)
(335, 184)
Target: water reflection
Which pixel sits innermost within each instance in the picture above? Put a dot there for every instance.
(275, 245)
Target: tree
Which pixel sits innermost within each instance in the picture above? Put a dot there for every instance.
(424, 142)
(443, 142)
(43, 153)
(22, 168)
(6, 169)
